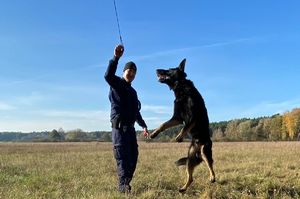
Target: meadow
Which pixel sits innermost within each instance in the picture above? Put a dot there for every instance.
(88, 170)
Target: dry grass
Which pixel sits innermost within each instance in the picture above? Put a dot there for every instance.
(87, 170)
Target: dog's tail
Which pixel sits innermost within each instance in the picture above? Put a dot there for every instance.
(181, 161)
(193, 160)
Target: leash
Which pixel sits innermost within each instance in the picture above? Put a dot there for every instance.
(118, 22)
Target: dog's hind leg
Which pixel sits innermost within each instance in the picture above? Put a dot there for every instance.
(192, 161)
(206, 154)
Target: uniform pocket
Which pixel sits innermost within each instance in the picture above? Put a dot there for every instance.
(119, 153)
(115, 123)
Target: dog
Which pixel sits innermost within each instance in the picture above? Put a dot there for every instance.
(189, 110)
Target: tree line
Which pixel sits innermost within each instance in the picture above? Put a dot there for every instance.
(285, 127)
(76, 135)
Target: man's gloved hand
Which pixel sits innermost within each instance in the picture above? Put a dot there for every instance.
(119, 51)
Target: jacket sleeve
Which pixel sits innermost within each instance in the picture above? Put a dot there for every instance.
(110, 74)
(140, 120)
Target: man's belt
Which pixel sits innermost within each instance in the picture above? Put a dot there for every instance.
(117, 124)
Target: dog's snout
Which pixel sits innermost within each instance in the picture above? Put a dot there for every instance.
(160, 71)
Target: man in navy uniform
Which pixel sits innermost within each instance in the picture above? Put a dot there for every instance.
(125, 111)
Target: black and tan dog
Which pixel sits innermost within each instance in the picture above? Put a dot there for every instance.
(190, 110)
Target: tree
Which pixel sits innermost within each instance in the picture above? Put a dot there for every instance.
(54, 135)
(259, 133)
(218, 134)
(245, 131)
(291, 121)
(273, 127)
(76, 135)
(218, 130)
(61, 133)
(231, 130)
(106, 136)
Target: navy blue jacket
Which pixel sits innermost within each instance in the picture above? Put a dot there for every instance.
(125, 106)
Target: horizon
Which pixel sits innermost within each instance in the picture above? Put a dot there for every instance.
(241, 56)
(140, 130)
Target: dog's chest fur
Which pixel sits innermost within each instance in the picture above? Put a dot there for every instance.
(185, 91)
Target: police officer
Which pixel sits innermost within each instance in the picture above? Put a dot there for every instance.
(125, 111)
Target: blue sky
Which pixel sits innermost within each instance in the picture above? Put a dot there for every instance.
(243, 56)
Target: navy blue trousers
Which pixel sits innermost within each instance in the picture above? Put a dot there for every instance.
(125, 152)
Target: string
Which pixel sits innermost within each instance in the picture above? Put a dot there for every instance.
(118, 22)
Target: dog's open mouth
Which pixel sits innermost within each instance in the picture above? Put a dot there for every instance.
(162, 77)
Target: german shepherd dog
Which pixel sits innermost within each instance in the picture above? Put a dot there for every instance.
(190, 110)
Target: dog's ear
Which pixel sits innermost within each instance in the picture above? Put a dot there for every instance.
(182, 65)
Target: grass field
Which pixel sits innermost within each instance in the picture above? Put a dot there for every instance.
(88, 170)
